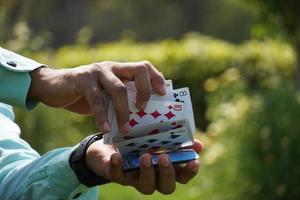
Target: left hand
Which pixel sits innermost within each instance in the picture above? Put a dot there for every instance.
(105, 162)
(82, 89)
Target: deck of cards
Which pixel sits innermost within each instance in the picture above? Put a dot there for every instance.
(166, 125)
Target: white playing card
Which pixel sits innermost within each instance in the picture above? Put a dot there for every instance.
(154, 129)
(131, 92)
(172, 139)
(183, 95)
(155, 112)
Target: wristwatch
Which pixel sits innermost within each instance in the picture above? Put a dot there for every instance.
(78, 164)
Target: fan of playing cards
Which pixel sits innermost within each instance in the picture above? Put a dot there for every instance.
(166, 124)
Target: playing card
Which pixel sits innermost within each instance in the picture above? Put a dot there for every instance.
(153, 129)
(154, 113)
(131, 92)
(183, 95)
(168, 140)
(132, 161)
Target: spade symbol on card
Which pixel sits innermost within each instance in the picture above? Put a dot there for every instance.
(144, 146)
(156, 147)
(135, 151)
(164, 142)
(177, 143)
(132, 144)
(174, 136)
(152, 140)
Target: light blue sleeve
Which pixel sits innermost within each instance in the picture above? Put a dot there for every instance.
(24, 174)
(15, 79)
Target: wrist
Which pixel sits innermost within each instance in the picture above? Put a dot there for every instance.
(78, 162)
(38, 76)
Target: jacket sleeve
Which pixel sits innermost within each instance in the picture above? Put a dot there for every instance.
(15, 79)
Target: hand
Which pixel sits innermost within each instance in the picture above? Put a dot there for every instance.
(105, 162)
(81, 89)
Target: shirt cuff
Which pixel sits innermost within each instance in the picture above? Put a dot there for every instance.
(15, 79)
(14, 88)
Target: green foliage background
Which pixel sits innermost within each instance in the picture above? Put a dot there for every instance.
(246, 110)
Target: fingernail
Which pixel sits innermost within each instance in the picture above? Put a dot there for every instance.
(195, 167)
(165, 161)
(105, 126)
(147, 161)
(163, 89)
(144, 105)
(125, 127)
(115, 160)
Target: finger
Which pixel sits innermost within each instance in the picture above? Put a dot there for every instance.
(186, 173)
(166, 181)
(143, 86)
(157, 78)
(146, 184)
(96, 100)
(138, 72)
(197, 146)
(115, 169)
(117, 90)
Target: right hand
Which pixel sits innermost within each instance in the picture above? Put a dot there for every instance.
(81, 89)
(107, 163)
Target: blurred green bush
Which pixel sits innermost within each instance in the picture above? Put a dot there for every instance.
(243, 99)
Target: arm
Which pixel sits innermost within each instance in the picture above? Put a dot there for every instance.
(81, 90)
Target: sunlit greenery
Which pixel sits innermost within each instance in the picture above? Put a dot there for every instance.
(239, 59)
(244, 104)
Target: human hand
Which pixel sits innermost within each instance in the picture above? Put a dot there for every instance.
(105, 162)
(81, 89)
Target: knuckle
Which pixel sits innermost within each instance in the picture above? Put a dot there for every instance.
(147, 63)
(84, 75)
(119, 88)
(96, 98)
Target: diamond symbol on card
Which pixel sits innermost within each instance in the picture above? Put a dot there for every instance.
(133, 123)
(141, 113)
(170, 107)
(169, 115)
(155, 114)
(178, 126)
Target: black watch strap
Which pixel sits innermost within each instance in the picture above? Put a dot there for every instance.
(77, 163)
